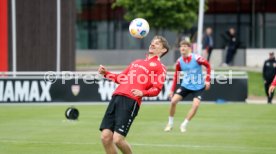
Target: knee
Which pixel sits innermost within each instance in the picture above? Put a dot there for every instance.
(117, 140)
(106, 138)
(196, 104)
(174, 102)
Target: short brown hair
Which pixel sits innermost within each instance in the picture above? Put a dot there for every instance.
(164, 42)
(185, 42)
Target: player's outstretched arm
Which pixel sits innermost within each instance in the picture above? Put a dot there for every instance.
(202, 61)
(175, 78)
(102, 70)
(112, 76)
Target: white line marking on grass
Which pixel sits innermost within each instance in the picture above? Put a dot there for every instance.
(202, 147)
(206, 147)
(42, 142)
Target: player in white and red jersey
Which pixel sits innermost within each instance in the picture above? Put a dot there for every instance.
(272, 86)
(143, 77)
(190, 65)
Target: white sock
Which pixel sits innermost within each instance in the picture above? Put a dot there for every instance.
(170, 120)
(185, 123)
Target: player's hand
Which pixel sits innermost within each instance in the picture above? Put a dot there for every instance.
(102, 70)
(137, 92)
(171, 95)
(271, 89)
(207, 85)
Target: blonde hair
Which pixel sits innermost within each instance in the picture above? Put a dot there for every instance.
(185, 42)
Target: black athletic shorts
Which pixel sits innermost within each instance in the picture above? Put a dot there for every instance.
(120, 114)
(182, 91)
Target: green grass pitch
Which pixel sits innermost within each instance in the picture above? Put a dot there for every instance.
(217, 129)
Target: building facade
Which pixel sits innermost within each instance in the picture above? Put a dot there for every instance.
(101, 27)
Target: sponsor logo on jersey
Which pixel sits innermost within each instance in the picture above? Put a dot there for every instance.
(153, 64)
(140, 66)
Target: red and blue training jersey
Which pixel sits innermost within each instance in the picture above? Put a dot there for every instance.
(191, 67)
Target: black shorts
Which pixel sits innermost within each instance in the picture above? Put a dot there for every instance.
(182, 91)
(120, 114)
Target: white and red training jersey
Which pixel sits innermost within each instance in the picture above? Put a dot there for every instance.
(274, 81)
(147, 75)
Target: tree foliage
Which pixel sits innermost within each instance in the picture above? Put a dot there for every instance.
(176, 15)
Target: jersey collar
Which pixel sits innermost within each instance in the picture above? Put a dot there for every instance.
(152, 58)
(187, 59)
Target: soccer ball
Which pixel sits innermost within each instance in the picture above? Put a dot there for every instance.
(139, 28)
(72, 113)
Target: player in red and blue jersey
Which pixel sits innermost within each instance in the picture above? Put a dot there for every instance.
(143, 77)
(190, 65)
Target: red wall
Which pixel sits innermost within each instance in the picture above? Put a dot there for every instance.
(3, 35)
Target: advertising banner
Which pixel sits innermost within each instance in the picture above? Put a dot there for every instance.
(93, 90)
